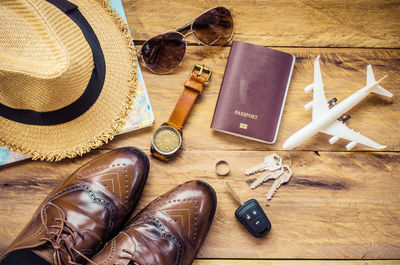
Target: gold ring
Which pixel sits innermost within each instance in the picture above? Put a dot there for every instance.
(222, 168)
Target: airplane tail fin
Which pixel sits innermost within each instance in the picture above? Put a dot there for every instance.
(378, 89)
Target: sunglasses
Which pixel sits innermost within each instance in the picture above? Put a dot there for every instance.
(165, 52)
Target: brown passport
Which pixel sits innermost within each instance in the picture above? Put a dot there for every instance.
(253, 92)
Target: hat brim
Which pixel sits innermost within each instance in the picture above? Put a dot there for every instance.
(107, 115)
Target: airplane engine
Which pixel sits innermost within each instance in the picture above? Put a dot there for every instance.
(346, 118)
(308, 88)
(308, 105)
(350, 145)
(334, 139)
(332, 101)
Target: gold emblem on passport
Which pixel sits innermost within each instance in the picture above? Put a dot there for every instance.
(167, 140)
(243, 126)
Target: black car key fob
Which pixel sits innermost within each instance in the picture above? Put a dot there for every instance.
(253, 218)
(251, 215)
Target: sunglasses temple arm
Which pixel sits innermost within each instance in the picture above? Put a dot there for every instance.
(184, 29)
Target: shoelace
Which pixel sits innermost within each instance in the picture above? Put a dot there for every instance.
(59, 245)
(131, 256)
(56, 239)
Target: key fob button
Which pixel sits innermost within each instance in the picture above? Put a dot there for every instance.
(258, 224)
(250, 214)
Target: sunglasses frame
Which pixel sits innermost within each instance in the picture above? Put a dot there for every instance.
(184, 26)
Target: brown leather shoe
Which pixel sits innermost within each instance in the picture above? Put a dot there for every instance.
(87, 209)
(169, 231)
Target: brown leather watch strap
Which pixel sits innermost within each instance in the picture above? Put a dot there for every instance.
(193, 88)
(159, 156)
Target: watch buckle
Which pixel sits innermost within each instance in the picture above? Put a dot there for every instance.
(202, 68)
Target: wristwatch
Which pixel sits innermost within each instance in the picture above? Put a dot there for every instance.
(167, 139)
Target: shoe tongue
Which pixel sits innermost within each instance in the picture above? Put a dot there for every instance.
(160, 240)
(45, 252)
(53, 226)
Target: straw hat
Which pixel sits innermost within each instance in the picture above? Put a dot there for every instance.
(67, 76)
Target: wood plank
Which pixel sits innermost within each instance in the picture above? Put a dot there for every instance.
(304, 23)
(296, 262)
(343, 72)
(338, 205)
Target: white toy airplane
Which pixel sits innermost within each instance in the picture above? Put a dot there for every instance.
(325, 119)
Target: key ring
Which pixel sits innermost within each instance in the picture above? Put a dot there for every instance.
(222, 168)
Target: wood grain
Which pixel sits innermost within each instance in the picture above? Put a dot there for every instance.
(296, 262)
(338, 205)
(295, 23)
(343, 73)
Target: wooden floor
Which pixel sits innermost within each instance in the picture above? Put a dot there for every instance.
(340, 207)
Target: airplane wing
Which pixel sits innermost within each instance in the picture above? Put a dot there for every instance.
(319, 103)
(340, 130)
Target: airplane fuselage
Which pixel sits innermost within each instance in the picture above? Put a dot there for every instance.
(328, 118)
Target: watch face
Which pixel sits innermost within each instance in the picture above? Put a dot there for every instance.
(167, 140)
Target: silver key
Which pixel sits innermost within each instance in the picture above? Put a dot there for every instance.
(271, 162)
(266, 176)
(284, 178)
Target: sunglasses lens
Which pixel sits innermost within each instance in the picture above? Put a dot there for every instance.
(215, 27)
(164, 52)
